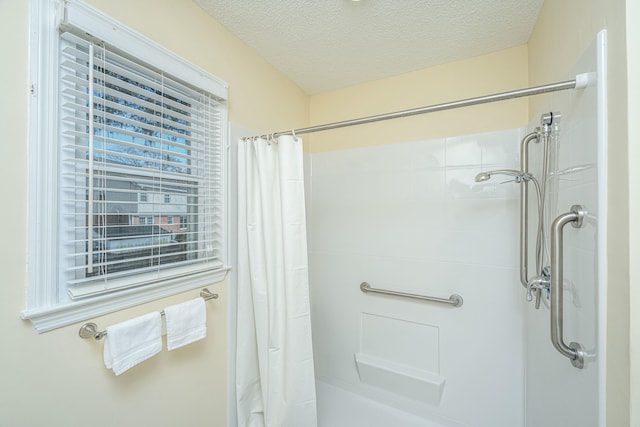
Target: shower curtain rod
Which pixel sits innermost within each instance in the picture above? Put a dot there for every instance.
(581, 81)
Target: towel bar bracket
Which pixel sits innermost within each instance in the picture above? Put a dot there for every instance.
(90, 330)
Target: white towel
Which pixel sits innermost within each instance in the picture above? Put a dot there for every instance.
(186, 323)
(133, 341)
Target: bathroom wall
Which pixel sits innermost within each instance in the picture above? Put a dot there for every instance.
(57, 379)
(556, 392)
(390, 205)
(410, 217)
(482, 75)
(562, 33)
(387, 208)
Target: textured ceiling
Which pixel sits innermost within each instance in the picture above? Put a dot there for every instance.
(328, 44)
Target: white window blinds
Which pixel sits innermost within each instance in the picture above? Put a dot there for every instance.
(137, 148)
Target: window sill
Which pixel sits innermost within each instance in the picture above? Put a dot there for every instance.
(48, 318)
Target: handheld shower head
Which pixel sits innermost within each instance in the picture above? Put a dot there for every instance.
(519, 175)
(483, 176)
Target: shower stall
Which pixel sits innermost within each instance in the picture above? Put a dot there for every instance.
(460, 281)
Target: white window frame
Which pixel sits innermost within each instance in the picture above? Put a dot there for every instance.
(145, 220)
(45, 306)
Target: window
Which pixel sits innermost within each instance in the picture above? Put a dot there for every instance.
(169, 220)
(136, 127)
(146, 220)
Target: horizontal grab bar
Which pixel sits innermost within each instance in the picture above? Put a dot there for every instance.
(455, 299)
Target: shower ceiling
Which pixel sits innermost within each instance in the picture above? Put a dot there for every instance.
(324, 45)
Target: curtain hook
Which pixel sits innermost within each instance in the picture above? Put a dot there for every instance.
(293, 132)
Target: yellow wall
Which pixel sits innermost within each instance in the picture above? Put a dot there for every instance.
(496, 72)
(562, 32)
(57, 379)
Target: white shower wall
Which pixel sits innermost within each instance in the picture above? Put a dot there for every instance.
(410, 217)
(556, 392)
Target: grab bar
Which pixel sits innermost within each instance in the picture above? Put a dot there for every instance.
(455, 299)
(573, 351)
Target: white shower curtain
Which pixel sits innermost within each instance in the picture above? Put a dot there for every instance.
(275, 384)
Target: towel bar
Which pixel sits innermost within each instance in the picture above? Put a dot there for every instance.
(90, 330)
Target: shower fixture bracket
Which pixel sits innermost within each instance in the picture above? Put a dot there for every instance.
(578, 362)
(538, 284)
(546, 119)
(545, 124)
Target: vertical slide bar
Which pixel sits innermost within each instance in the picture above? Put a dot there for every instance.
(524, 208)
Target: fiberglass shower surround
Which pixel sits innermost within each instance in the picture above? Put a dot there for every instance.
(374, 370)
(547, 283)
(545, 279)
